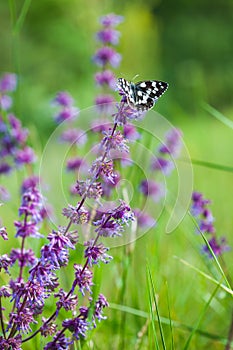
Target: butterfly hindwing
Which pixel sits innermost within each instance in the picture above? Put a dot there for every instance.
(144, 94)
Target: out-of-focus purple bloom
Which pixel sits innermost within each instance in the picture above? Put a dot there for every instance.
(123, 157)
(72, 136)
(8, 82)
(198, 204)
(218, 246)
(5, 102)
(32, 181)
(107, 55)
(18, 133)
(25, 156)
(206, 224)
(144, 219)
(68, 113)
(131, 133)
(111, 20)
(104, 103)
(5, 168)
(96, 252)
(164, 165)
(4, 194)
(100, 125)
(153, 189)
(76, 163)
(64, 99)
(106, 78)
(108, 36)
(173, 143)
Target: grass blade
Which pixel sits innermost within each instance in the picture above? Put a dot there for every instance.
(218, 115)
(153, 301)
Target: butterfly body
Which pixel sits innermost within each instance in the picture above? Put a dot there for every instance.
(144, 94)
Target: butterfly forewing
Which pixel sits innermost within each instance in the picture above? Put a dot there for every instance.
(144, 94)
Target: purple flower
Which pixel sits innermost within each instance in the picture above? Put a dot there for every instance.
(78, 326)
(74, 164)
(162, 164)
(72, 136)
(11, 343)
(100, 304)
(103, 168)
(106, 77)
(144, 219)
(8, 82)
(83, 278)
(5, 168)
(18, 133)
(25, 156)
(218, 246)
(105, 103)
(77, 217)
(68, 113)
(100, 125)
(23, 319)
(68, 302)
(32, 181)
(5, 102)
(25, 258)
(96, 252)
(4, 194)
(3, 233)
(153, 189)
(124, 112)
(114, 141)
(131, 133)
(173, 143)
(64, 99)
(111, 20)
(107, 55)
(108, 36)
(59, 343)
(5, 262)
(91, 190)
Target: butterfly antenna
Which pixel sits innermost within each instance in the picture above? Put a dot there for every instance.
(136, 76)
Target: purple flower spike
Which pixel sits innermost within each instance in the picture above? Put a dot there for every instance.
(173, 143)
(111, 20)
(8, 82)
(107, 55)
(64, 99)
(218, 247)
(106, 78)
(108, 36)
(164, 165)
(25, 156)
(153, 189)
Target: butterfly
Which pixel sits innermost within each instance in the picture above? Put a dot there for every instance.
(142, 95)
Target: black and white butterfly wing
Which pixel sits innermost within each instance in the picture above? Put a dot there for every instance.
(144, 94)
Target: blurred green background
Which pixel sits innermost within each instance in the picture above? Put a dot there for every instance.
(189, 45)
